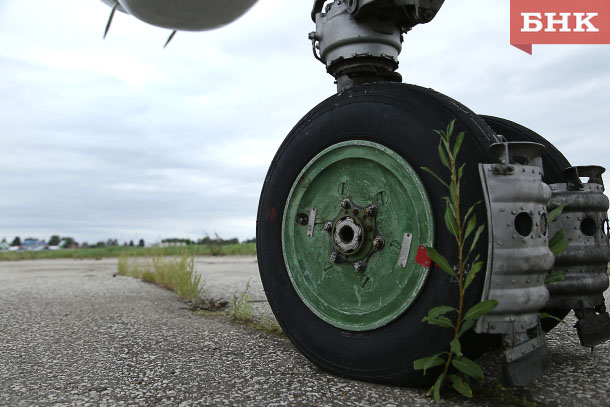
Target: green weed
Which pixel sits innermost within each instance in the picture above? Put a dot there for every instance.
(458, 369)
(176, 274)
(240, 309)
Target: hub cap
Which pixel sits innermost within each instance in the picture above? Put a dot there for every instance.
(354, 213)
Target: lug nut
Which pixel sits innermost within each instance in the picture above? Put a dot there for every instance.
(328, 226)
(379, 242)
(371, 210)
(301, 219)
(359, 266)
(346, 204)
(334, 257)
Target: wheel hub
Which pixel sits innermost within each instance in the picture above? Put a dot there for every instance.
(354, 234)
(347, 235)
(343, 233)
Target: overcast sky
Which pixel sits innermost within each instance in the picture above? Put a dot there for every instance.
(120, 138)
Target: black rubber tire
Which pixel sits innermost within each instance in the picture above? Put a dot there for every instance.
(402, 118)
(553, 163)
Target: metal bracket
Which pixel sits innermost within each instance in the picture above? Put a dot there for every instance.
(312, 221)
(404, 250)
(573, 174)
(593, 329)
(525, 362)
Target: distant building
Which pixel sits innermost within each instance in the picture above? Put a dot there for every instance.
(33, 245)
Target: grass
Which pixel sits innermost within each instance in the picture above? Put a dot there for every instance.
(178, 274)
(174, 273)
(241, 249)
(242, 311)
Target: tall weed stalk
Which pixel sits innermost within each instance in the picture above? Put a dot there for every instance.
(457, 368)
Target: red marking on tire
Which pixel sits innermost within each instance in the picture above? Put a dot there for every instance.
(272, 214)
(422, 257)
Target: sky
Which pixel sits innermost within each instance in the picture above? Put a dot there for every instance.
(120, 138)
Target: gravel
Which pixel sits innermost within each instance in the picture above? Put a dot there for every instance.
(72, 334)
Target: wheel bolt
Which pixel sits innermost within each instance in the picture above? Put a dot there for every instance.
(346, 204)
(301, 219)
(359, 266)
(334, 257)
(371, 210)
(379, 242)
(328, 226)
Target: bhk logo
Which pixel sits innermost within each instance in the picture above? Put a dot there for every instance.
(559, 22)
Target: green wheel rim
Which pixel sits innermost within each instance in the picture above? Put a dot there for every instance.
(368, 195)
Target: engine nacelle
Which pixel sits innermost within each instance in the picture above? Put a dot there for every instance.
(185, 15)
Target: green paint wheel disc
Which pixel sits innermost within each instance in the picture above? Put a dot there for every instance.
(367, 175)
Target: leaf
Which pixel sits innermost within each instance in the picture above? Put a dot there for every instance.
(450, 222)
(480, 309)
(468, 367)
(460, 385)
(466, 325)
(440, 261)
(469, 212)
(437, 386)
(458, 144)
(439, 321)
(472, 223)
(454, 193)
(544, 315)
(450, 127)
(554, 214)
(558, 244)
(472, 273)
(557, 238)
(477, 235)
(554, 277)
(442, 155)
(429, 171)
(437, 311)
(428, 362)
(460, 172)
(456, 347)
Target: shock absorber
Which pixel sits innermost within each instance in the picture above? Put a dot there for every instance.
(359, 40)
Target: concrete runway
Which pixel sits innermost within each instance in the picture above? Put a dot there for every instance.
(72, 334)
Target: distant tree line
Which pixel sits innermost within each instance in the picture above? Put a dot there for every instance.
(70, 243)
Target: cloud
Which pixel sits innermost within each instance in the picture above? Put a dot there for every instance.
(119, 138)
